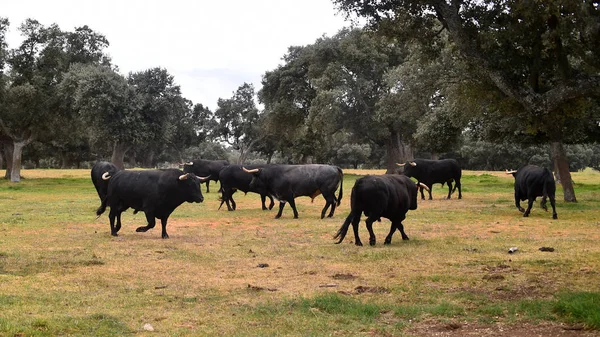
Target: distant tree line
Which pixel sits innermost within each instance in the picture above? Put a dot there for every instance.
(494, 85)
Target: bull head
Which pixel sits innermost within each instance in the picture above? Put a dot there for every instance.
(106, 176)
(250, 171)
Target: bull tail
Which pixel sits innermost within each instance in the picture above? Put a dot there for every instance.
(341, 233)
(339, 199)
(102, 208)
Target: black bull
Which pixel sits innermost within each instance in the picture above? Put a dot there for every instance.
(286, 182)
(533, 181)
(233, 178)
(206, 168)
(156, 192)
(389, 196)
(431, 172)
(101, 173)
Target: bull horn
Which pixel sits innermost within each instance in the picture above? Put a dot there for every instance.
(188, 164)
(423, 186)
(511, 171)
(204, 178)
(412, 163)
(250, 171)
(183, 176)
(400, 164)
(106, 176)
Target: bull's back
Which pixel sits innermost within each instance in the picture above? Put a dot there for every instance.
(132, 187)
(304, 180)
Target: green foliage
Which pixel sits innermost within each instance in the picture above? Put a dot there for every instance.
(238, 120)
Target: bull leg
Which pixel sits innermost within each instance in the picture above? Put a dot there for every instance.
(281, 205)
(263, 200)
(457, 185)
(449, 182)
(111, 216)
(543, 204)
(333, 206)
(518, 202)
(207, 189)
(272, 203)
(151, 223)
(355, 222)
(369, 223)
(430, 188)
(163, 223)
(553, 204)
(332, 201)
(324, 210)
(293, 206)
(529, 205)
(422, 194)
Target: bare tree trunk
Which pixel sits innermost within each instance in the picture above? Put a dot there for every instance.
(396, 152)
(435, 156)
(8, 153)
(131, 158)
(1, 157)
(118, 155)
(148, 159)
(15, 174)
(561, 165)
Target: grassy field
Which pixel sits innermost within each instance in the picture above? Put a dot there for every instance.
(244, 273)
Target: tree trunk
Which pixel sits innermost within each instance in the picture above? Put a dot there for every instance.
(118, 155)
(435, 156)
(148, 160)
(1, 158)
(8, 153)
(131, 159)
(64, 160)
(15, 174)
(561, 165)
(396, 152)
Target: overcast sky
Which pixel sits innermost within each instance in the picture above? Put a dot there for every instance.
(210, 47)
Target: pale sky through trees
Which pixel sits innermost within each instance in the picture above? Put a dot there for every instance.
(210, 47)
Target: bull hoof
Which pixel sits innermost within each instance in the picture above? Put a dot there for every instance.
(554, 216)
(525, 215)
(165, 236)
(405, 238)
(521, 209)
(114, 234)
(141, 229)
(372, 242)
(358, 243)
(386, 242)
(296, 217)
(277, 216)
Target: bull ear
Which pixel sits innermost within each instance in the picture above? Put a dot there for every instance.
(412, 163)
(184, 176)
(400, 164)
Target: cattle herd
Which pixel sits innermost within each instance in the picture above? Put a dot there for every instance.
(159, 192)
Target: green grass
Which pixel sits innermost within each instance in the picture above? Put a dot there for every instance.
(61, 273)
